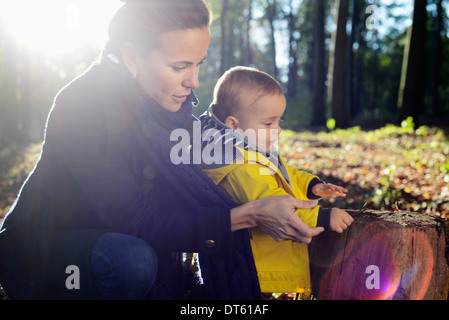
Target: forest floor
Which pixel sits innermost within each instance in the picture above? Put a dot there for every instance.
(391, 168)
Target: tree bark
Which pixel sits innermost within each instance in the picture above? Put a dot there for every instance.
(383, 255)
(246, 50)
(411, 92)
(224, 44)
(436, 59)
(337, 66)
(319, 73)
(271, 16)
(292, 85)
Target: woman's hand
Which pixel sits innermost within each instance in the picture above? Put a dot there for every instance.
(276, 217)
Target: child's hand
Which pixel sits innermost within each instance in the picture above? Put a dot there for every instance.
(326, 190)
(340, 220)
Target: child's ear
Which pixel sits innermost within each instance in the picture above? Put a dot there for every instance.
(129, 57)
(232, 122)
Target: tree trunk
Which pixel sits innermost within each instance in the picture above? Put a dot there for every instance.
(411, 92)
(319, 73)
(246, 50)
(337, 67)
(224, 44)
(292, 84)
(271, 16)
(383, 255)
(436, 59)
(357, 78)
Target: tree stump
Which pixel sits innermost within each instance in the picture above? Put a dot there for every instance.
(383, 255)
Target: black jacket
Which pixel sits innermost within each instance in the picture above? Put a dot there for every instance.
(93, 177)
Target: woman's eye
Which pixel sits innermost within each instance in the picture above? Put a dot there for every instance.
(179, 68)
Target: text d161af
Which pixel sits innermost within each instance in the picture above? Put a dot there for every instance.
(245, 309)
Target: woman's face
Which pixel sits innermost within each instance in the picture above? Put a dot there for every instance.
(169, 73)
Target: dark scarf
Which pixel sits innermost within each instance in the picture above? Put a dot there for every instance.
(231, 276)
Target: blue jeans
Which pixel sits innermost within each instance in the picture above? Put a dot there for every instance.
(123, 267)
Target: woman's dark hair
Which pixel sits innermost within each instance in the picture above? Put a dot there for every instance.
(141, 22)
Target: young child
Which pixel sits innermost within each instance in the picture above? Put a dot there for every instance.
(245, 114)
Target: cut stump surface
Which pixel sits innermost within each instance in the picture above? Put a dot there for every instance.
(383, 255)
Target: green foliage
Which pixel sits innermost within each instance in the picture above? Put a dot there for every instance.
(330, 124)
(408, 123)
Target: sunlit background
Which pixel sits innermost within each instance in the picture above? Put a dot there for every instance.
(57, 27)
(44, 44)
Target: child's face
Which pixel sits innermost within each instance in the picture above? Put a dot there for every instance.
(260, 121)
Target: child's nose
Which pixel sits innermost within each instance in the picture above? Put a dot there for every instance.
(274, 133)
(278, 129)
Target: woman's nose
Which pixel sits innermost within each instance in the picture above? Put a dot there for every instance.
(192, 82)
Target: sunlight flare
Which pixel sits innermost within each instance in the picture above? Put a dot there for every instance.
(57, 26)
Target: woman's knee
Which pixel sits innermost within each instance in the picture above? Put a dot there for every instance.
(124, 267)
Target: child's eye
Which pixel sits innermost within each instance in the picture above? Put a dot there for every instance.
(268, 124)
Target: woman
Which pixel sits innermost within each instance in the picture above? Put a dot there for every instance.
(105, 214)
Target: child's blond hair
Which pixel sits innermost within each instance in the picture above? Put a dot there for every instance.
(241, 80)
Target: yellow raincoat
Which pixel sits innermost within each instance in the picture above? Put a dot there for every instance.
(281, 266)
